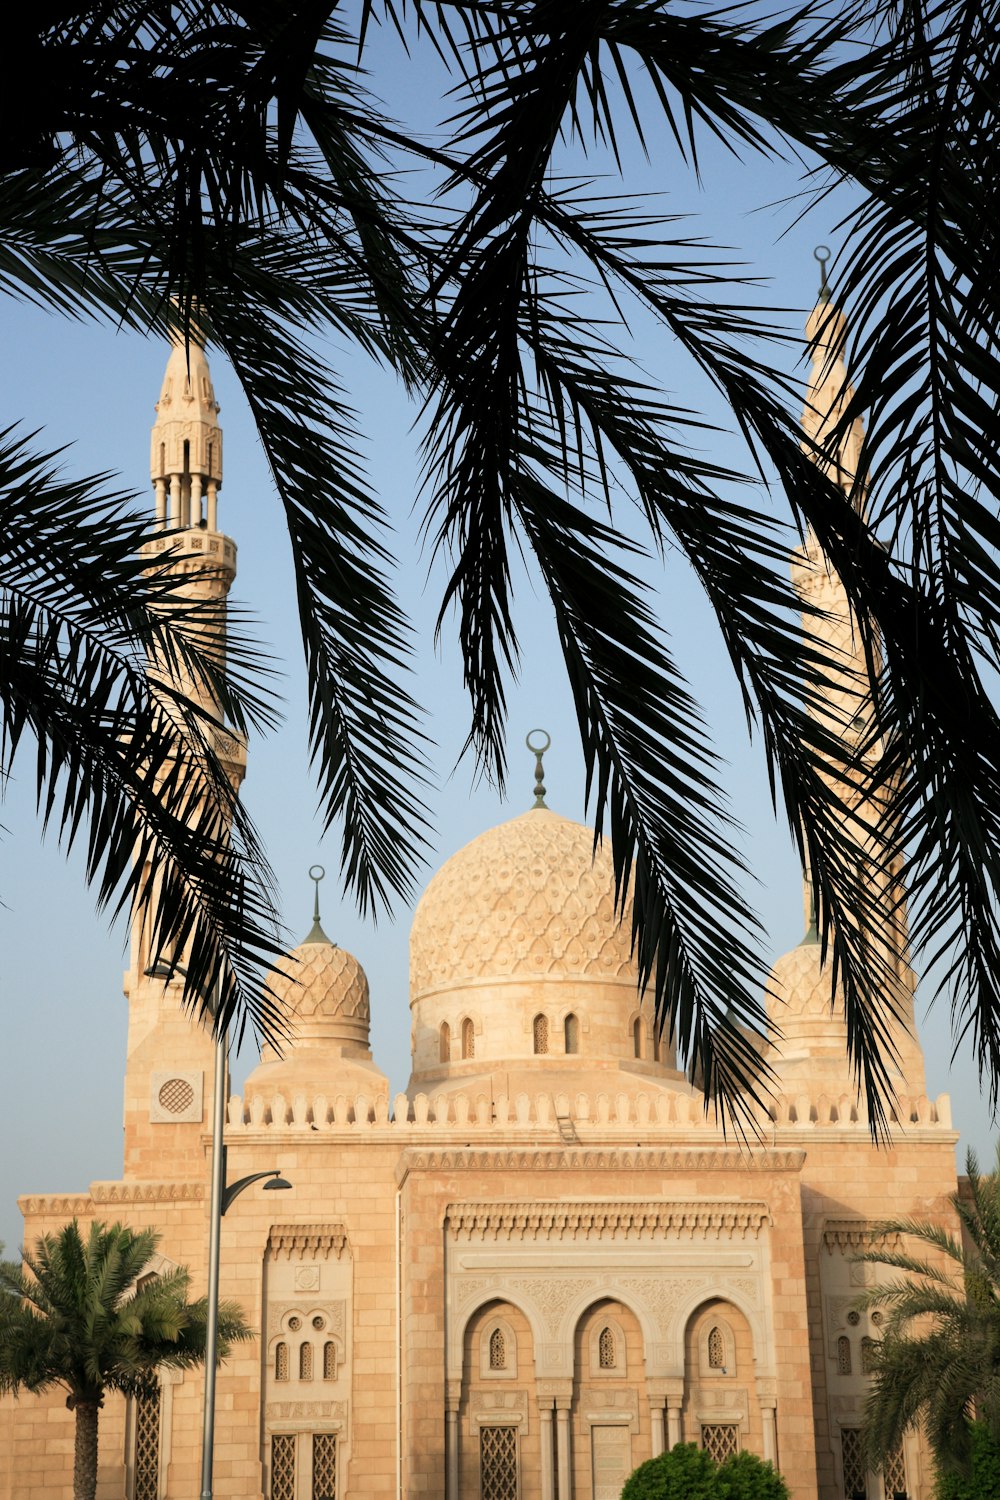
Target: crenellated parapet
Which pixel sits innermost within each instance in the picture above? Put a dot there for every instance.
(568, 1118)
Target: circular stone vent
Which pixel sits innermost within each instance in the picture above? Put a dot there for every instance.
(176, 1096)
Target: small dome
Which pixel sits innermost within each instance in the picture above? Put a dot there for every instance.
(528, 899)
(798, 1002)
(323, 990)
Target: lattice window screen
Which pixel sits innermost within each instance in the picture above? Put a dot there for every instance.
(283, 1466)
(498, 1463)
(894, 1475)
(720, 1440)
(868, 1348)
(855, 1475)
(498, 1350)
(468, 1039)
(324, 1466)
(716, 1350)
(606, 1350)
(540, 1034)
(306, 1361)
(330, 1361)
(281, 1362)
(843, 1355)
(147, 1446)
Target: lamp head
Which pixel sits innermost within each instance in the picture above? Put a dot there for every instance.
(277, 1183)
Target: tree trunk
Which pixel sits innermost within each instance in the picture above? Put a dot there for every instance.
(85, 1451)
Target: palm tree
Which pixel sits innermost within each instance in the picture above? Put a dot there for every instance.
(938, 1363)
(232, 158)
(88, 1315)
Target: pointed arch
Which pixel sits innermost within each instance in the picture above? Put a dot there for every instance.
(571, 1033)
(468, 1038)
(540, 1035)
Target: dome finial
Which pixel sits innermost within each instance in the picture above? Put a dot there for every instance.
(822, 255)
(316, 933)
(538, 751)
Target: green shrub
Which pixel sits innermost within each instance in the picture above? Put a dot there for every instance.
(683, 1473)
(747, 1477)
(983, 1480)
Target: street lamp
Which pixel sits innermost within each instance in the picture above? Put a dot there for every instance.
(222, 1197)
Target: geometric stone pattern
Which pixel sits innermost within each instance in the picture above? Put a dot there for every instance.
(527, 899)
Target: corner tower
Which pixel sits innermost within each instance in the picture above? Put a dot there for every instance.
(813, 1052)
(168, 1078)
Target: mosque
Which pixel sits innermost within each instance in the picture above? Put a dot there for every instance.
(543, 1262)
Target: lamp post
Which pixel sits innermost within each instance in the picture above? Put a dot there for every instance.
(222, 1196)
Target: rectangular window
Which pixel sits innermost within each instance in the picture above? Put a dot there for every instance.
(283, 1466)
(894, 1475)
(324, 1456)
(720, 1439)
(855, 1475)
(498, 1463)
(146, 1470)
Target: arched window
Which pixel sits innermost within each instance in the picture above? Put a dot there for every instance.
(637, 1036)
(656, 1042)
(716, 1350)
(281, 1362)
(498, 1350)
(607, 1353)
(305, 1361)
(468, 1038)
(445, 1053)
(843, 1355)
(540, 1034)
(868, 1348)
(329, 1360)
(571, 1029)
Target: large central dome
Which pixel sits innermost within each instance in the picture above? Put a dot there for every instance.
(520, 962)
(527, 899)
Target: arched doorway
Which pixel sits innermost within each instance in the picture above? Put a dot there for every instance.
(498, 1445)
(610, 1423)
(721, 1412)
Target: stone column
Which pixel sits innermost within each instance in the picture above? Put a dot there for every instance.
(562, 1450)
(770, 1434)
(673, 1424)
(548, 1455)
(451, 1455)
(657, 1424)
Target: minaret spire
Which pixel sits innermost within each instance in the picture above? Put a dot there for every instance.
(845, 707)
(170, 1064)
(186, 447)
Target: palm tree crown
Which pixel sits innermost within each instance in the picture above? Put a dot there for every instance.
(89, 1315)
(939, 1360)
(234, 160)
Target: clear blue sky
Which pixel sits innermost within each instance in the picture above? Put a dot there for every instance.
(64, 1017)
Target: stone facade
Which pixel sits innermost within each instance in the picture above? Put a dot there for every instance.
(543, 1262)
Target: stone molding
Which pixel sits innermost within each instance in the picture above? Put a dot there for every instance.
(307, 1239)
(589, 1159)
(560, 1220)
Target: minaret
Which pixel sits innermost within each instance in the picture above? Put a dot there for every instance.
(814, 1050)
(168, 1078)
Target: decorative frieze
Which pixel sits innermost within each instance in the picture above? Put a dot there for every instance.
(306, 1411)
(586, 1159)
(541, 1220)
(307, 1239)
(855, 1236)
